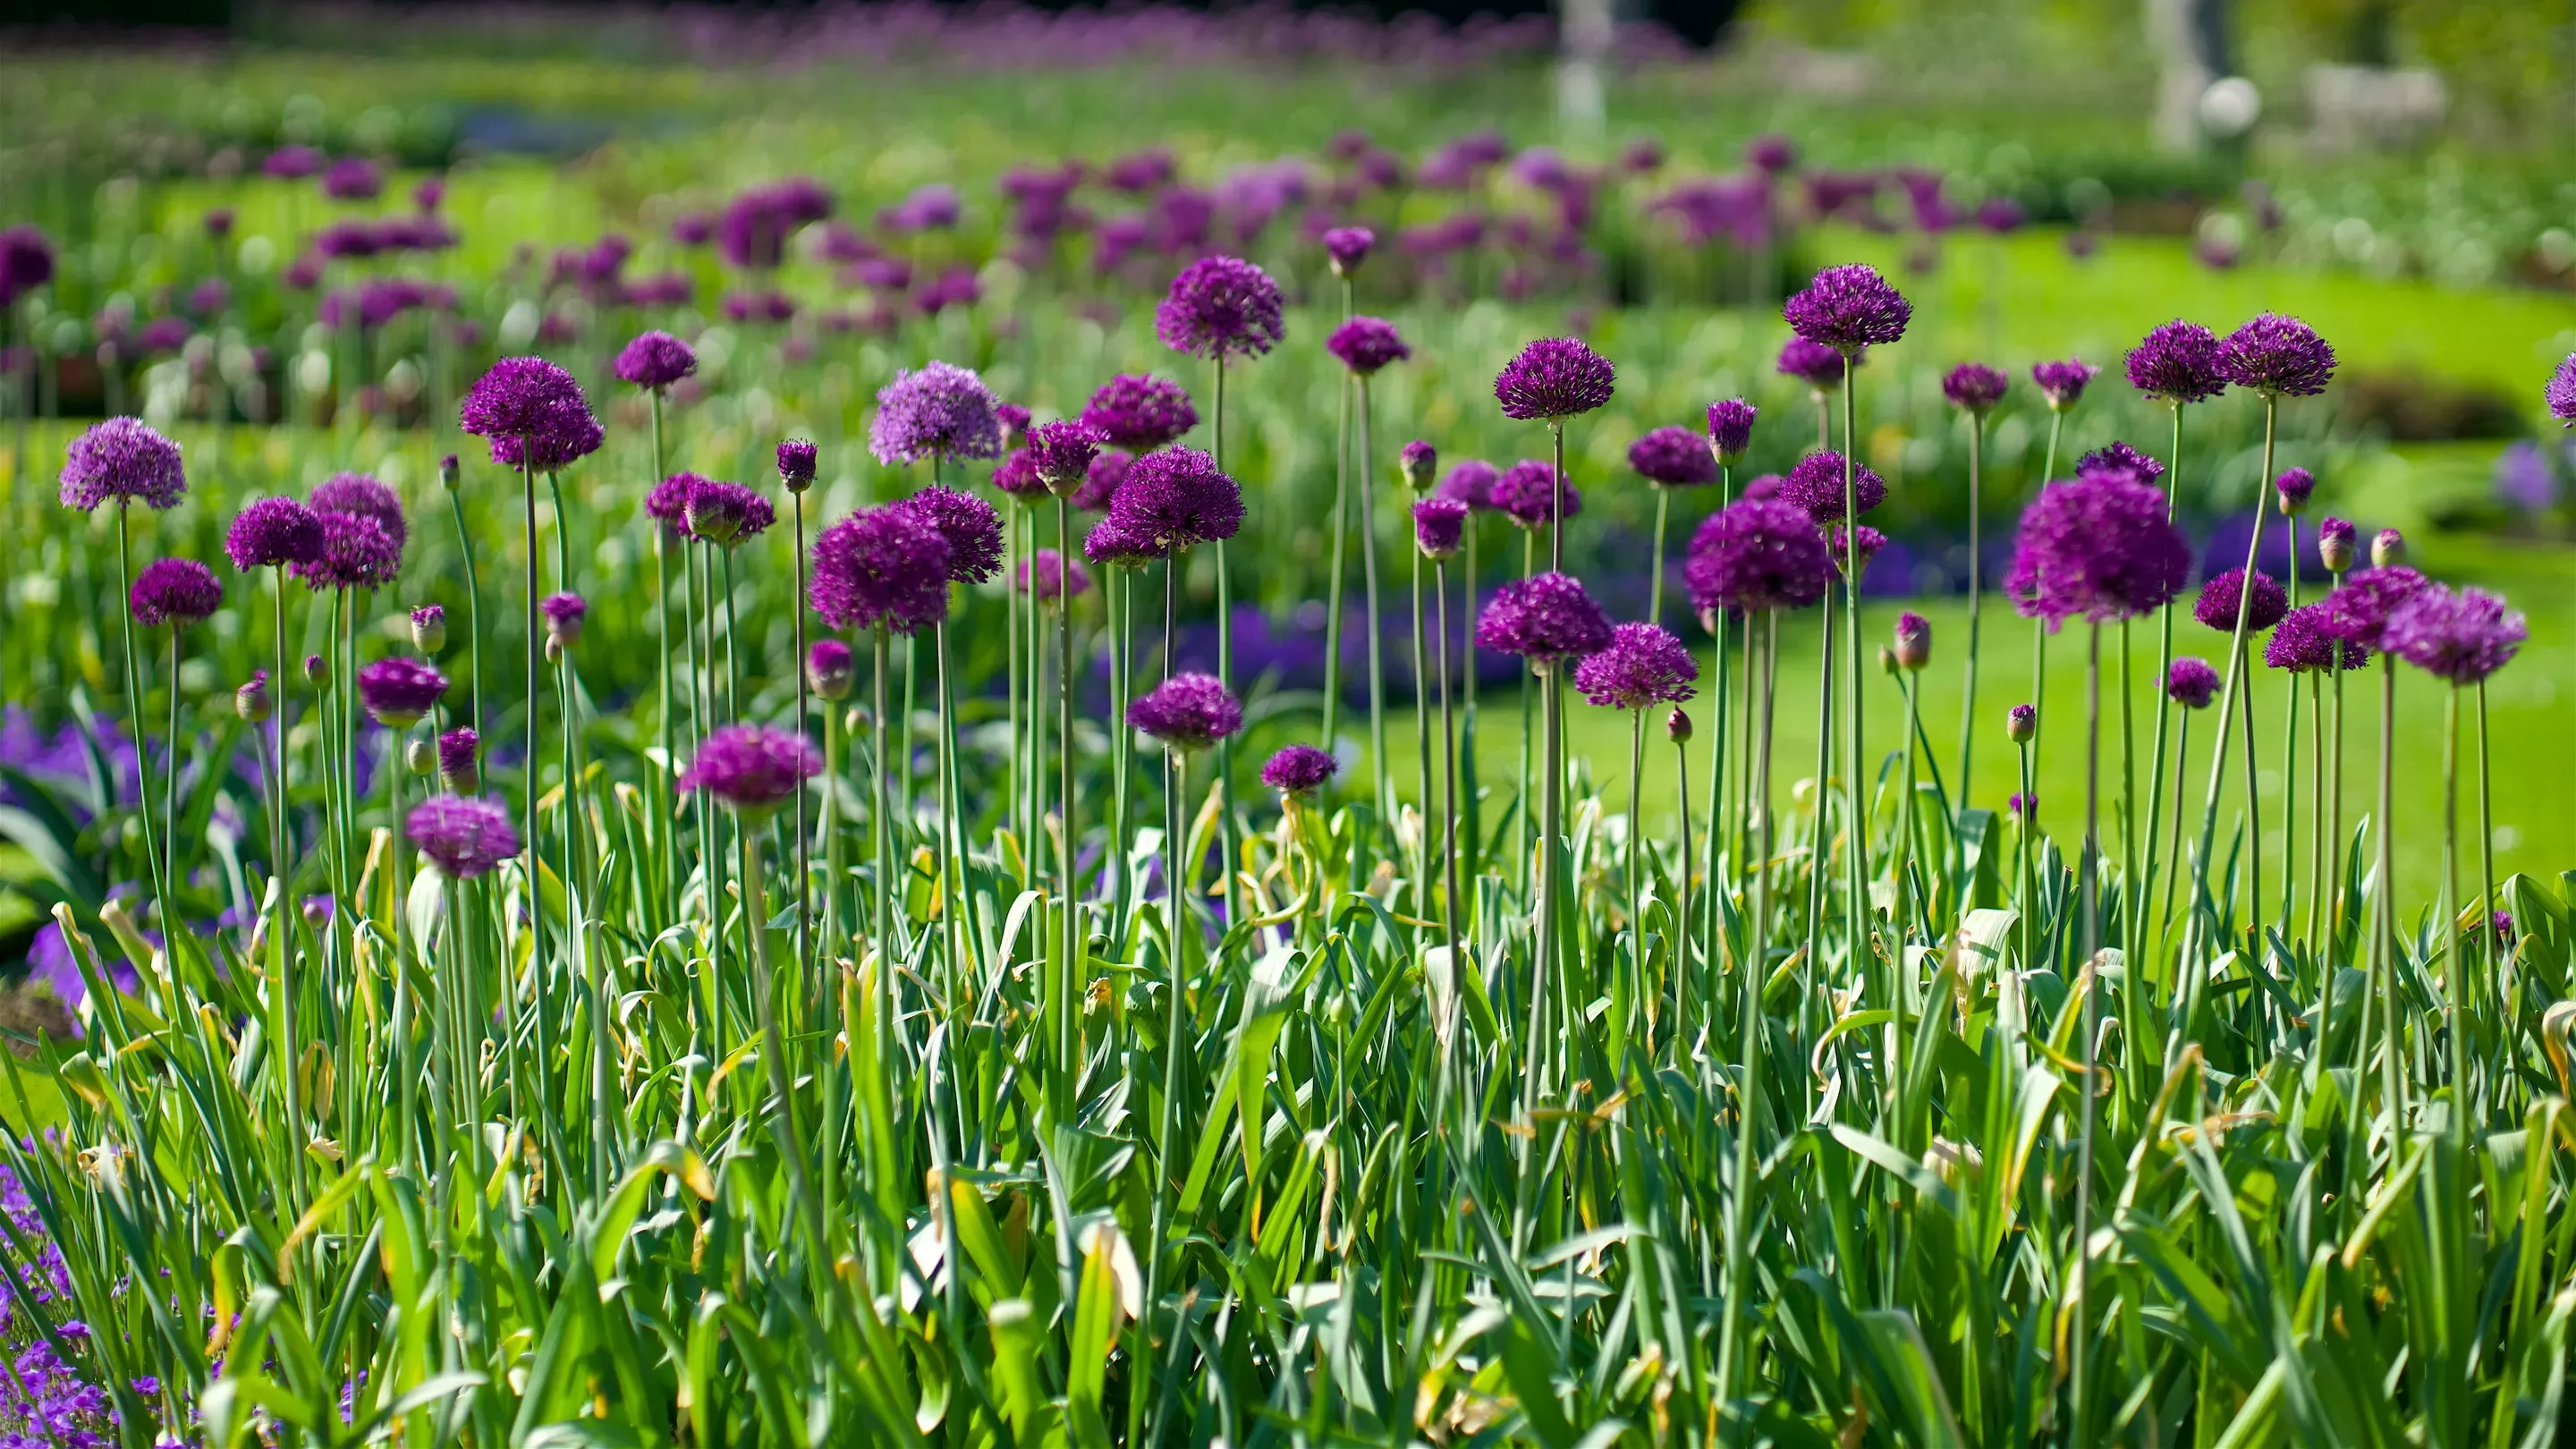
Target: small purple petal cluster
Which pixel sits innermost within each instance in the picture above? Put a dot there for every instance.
(2561, 392)
(668, 502)
(2277, 356)
(174, 591)
(1642, 666)
(1221, 307)
(571, 436)
(2224, 594)
(881, 567)
(1345, 247)
(1471, 482)
(1419, 462)
(829, 670)
(2461, 635)
(2122, 459)
(2100, 548)
(970, 526)
(1045, 576)
(1013, 420)
(399, 691)
(1062, 452)
(2062, 383)
(364, 496)
(2302, 645)
(1975, 387)
(1730, 427)
(1100, 481)
(1554, 377)
(125, 461)
(1107, 543)
(1848, 308)
(941, 411)
(2295, 487)
(1365, 344)
(726, 513)
(1913, 640)
(1177, 499)
(1816, 486)
(1673, 457)
(1018, 478)
(1860, 546)
(2191, 682)
(273, 532)
(753, 768)
(1528, 493)
(655, 360)
(2177, 363)
(1139, 411)
(1754, 554)
(1299, 770)
(563, 615)
(2358, 612)
(1813, 363)
(1543, 618)
(1187, 712)
(797, 460)
(1439, 526)
(356, 553)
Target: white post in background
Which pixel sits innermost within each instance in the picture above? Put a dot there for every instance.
(1585, 30)
(2189, 38)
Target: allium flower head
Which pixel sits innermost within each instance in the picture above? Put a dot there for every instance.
(2359, 611)
(2062, 383)
(356, 553)
(2337, 541)
(1755, 554)
(353, 178)
(174, 591)
(519, 396)
(365, 496)
(2191, 682)
(2224, 594)
(2301, 644)
(399, 691)
(1345, 247)
(1529, 492)
(2293, 488)
(1140, 411)
(2122, 459)
(1177, 499)
(1013, 420)
(972, 529)
(429, 628)
(273, 532)
(1062, 453)
(829, 670)
(2277, 356)
(1913, 640)
(1017, 477)
(2387, 548)
(1673, 458)
(1220, 307)
(1543, 619)
(1554, 377)
(1642, 666)
(2177, 364)
(1100, 481)
(2561, 392)
(1975, 388)
(797, 459)
(1108, 543)
(125, 461)
(1419, 462)
(456, 759)
(1439, 526)
(464, 837)
(726, 513)
(752, 768)
(571, 434)
(2460, 635)
(941, 411)
(1730, 427)
(1299, 770)
(2021, 722)
(655, 360)
(1848, 308)
(668, 502)
(1044, 576)
(564, 614)
(1187, 712)
(2098, 547)
(1365, 344)
(881, 566)
(1860, 546)
(1471, 482)
(26, 262)
(1816, 485)
(1813, 363)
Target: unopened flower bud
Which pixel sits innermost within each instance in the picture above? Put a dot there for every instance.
(1886, 661)
(2388, 550)
(1913, 641)
(429, 628)
(449, 474)
(1420, 463)
(828, 669)
(1677, 726)
(554, 649)
(317, 670)
(2335, 549)
(251, 700)
(422, 756)
(457, 766)
(2021, 724)
(796, 459)
(317, 911)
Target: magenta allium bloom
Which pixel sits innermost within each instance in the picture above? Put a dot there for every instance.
(399, 691)
(2219, 600)
(1975, 388)
(2021, 722)
(2098, 547)
(1771, 153)
(2177, 364)
(1062, 452)
(463, 836)
(2122, 459)
(1757, 553)
(1345, 247)
(1816, 485)
(1642, 666)
(273, 532)
(1543, 618)
(2302, 645)
(2191, 682)
(1365, 344)
(1553, 378)
(174, 591)
(1108, 543)
(162, 334)
(1439, 526)
(1140, 411)
(668, 502)
(1813, 363)
(1471, 482)
(2294, 487)
(26, 262)
(357, 553)
(941, 411)
(1730, 427)
(753, 768)
(563, 614)
(572, 435)
(1177, 499)
(881, 567)
(972, 530)
(1299, 770)
(1419, 462)
(1913, 640)
(1018, 476)
(1862, 545)
(2561, 392)
(655, 360)
(1848, 308)
(365, 496)
(353, 178)
(2460, 635)
(1187, 712)
(2277, 356)
(456, 758)
(2359, 611)
(2023, 807)
(1673, 457)
(797, 458)
(726, 513)
(1220, 307)
(1013, 420)
(829, 670)
(2337, 542)
(1529, 492)
(122, 460)
(1043, 576)
(520, 396)
(2062, 383)
(1100, 481)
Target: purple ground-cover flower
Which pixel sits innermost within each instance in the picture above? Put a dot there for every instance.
(1062, 452)
(1756, 553)
(726, 513)
(972, 530)
(1730, 427)
(2277, 356)
(1529, 492)
(1816, 485)
(2177, 363)
(1187, 712)
(1365, 344)
(2122, 459)
(363, 496)
(399, 691)
(655, 360)
(1044, 576)
(463, 836)
(174, 591)
(1299, 770)
(2460, 635)
(2099, 548)
(1673, 457)
(1552, 378)
(125, 461)
(1643, 665)
(2220, 598)
(1813, 363)
(1848, 308)
(881, 567)
(1543, 619)
(1439, 526)
(2191, 682)
(753, 768)
(1975, 388)
(272, 532)
(941, 411)
(1177, 499)
(2062, 383)
(356, 553)
(1140, 411)
(1220, 307)
(2302, 645)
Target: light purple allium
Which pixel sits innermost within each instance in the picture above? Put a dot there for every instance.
(1471, 482)
(655, 360)
(365, 496)
(1816, 485)
(1345, 247)
(2100, 548)
(273, 532)
(1220, 307)
(2177, 363)
(2460, 635)
(2122, 459)
(457, 763)
(726, 513)
(1177, 499)
(1754, 554)
(2358, 612)
(1975, 388)
(1062, 453)
(1552, 378)
(972, 530)
(1187, 712)
(1017, 477)
(563, 615)
(174, 591)
(429, 628)
(1848, 308)
(1439, 526)
(797, 459)
(1730, 427)
(2021, 722)
(2561, 392)
(1913, 641)
(1299, 770)
(520, 396)
(2191, 682)
(122, 460)
(1642, 666)
(1042, 576)
(753, 768)
(2294, 487)
(1365, 344)
(2062, 383)
(1862, 545)
(829, 670)
(1100, 481)
(1419, 462)
(2277, 356)
(1672, 457)
(463, 836)
(1140, 411)
(353, 178)
(1013, 420)
(1543, 619)
(941, 411)
(1528, 493)
(1107, 544)
(2219, 600)
(1813, 363)
(2337, 544)
(399, 691)
(881, 566)
(2302, 645)
(356, 553)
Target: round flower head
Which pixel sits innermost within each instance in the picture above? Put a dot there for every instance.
(563, 614)
(1299, 770)
(1754, 554)
(1140, 411)
(1472, 483)
(2062, 383)
(463, 836)
(2122, 459)
(1100, 481)
(2191, 682)
(570, 435)
(2359, 611)
(2100, 548)
(1187, 712)
(2021, 723)
(1730, 427)
(1013, 420)
(1018, 478)
(2460, 635)
(1345, 247)
(456, 760)
(1554, 377)
(1044, 576)
(881, 566)
(1177, 499)
(273, 532)
(519, 396)
(972, 529)
(2561, 392)
(655, 360)
(942, 411)
(1062, 452)
(1913, 640)
(174, 591)
(2277, 356)
(1419, 462)
(2302, 645)
(1975, 388)
(752, 768)
(2337, 544)
(726, 513)
(1439, 526)
(1528, 493)
(796, 462)
(399, 691)
(1860, 545)
(1543, 619)
(1220, 307)
(1673, 458)
(357, 553)
(1365, 344)
(668, 503)
(1848, 308)
(1642, 666)
(429, 628)
(364, 496)
(1816, 485)
(828, 669)
(1108, 543)
(2293, 488)
(1763, 485)
(125, 461)
(1813, 363)
(2220, 599)
(2177, 364)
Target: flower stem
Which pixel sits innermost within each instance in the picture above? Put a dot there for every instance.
(1382, 795)
(1075, 975)
(1751, 1094)
(1976, 605)
(134, 716)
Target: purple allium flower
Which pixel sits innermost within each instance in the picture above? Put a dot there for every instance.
(520, 396)
(1187, 712)
(1100, 481)
(2099, 547)
(1730, 427)
(1913, 640)
(2277, 356)
(2302, 645)
(1365, 344)
(1220, 307)
(1140, 411)
(1345, 247)
(942, 411)
(2460, 635)
(2337, 543)
(1771, 153)
(1813, 363)
(125, 461)
(2121, 459)
(1673, 458)
(726, 513)
(2023, 807)
(353, 178)
(429, 628)
(457, 764)
(753, 768)
(1043, 576)
(2219, 601)
(1299, 770)
(357, 553)
(26, 262)
(1762, 485)
(2387, 548)
(2358, 612)
(1419, 462)
(1017, 476)
(1552, 378)
(1848, 308)
(1543, 619)
(174, 591)
(570, 435)
(1528, 493)
(1816, 485)
(1754, 554)
(1862, 546)
(317, 670)
(829, 670)
(399, 691)
(364, 496)
(668, 502)
(1177, 499)
(2191, 682)
(2062, 383)
(2561, 392)
(563, 614)
(2177, 364)
(655, 360)
(2021, 722)
(1062, 453)
(1108, 543)
(1439, 526)
(1013, 420)
(2294, 487)
(1975, 388)
(1642, 666)
(881, 566)
(797, 458)
(972, 529)
(1471, 482)
(463, 836)
(273, 532)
